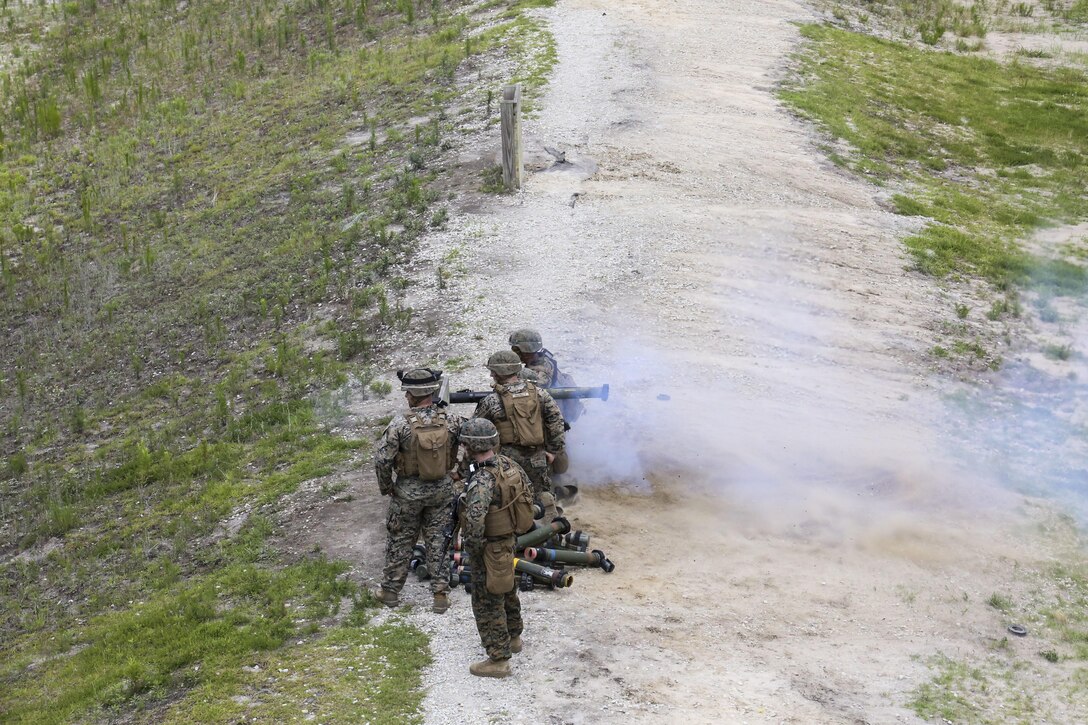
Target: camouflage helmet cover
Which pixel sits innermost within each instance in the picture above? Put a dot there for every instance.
(529, 375)
(504, 363)
(420, 382)
(526, 341)
(479, 435)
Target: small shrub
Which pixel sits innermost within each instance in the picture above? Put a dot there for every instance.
(492, 180)
(62, 519)
(1058, 352)
(17, 464)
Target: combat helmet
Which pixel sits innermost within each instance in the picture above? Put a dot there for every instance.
(479, 435)
(504, 363)
(420, 382)
(529, 375)
(526, 341)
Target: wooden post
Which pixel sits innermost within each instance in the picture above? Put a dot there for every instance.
(511, 137)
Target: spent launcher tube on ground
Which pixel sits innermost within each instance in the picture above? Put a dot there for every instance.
(555, 577)
(552, 577)
(541, 534)
(592, 558)
(475, 396)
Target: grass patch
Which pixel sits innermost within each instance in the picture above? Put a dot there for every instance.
(1058, 352)
(988, 151)
(988, 692)
(202, 631)
(1006, 686)
(349, 675)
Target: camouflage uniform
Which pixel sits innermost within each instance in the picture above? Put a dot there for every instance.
(530, 458)
(498, 616)
(545, 369)
(415, 505)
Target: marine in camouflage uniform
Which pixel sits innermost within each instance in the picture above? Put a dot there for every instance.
(417, 508)
(498, 616)
(505, 367)
(530, 348)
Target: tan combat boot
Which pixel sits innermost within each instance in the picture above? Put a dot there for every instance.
(441, 603)
(490, 668)
(388, 598)
(515, 644)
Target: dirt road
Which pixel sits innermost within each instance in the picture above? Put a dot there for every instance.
(793, 538)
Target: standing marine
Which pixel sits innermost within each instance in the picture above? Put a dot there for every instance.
(530, 424)
(496, 508)
(420, 448)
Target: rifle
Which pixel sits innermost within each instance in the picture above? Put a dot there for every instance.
(455, 524)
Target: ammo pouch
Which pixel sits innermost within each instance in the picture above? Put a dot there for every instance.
(428, 453)
(499, 565)
(524, 424)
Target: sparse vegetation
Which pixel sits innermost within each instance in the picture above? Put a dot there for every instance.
(178, 192)
(998, 686)
(988, 151)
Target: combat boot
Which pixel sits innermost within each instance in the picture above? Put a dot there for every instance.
(388, 598)
(441, 603)
(566, 494)
(490, 668)
(515, 644)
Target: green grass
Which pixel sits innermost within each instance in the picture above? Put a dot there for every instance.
(1066, 613)
(989, 152)
(202, 630)
(350, 675)
(180, 193)
(989, 692)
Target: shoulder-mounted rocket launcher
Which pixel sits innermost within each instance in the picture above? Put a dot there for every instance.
(475, 396)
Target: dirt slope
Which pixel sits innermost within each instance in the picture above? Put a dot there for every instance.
(793, 535)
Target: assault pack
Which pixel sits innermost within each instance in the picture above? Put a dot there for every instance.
(511, 510)
(428, 455)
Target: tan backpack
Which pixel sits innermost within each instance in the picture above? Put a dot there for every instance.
(524, 424)
(511, 510)
(428, 452)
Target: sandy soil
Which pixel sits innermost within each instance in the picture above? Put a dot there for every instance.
(793, 528)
